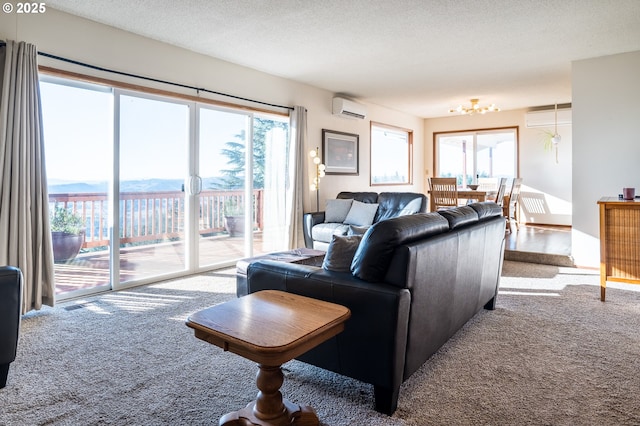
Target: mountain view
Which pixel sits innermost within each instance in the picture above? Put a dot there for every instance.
(146, 185)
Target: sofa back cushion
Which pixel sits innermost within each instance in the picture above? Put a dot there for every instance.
(459, 216)
(394, 204)
(486, 209)
(374, 254)
(363, 197)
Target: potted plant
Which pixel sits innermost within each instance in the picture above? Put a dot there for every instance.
(234, 217)
(67, 234)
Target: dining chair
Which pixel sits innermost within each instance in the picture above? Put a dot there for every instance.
(491, 187)
(444, 193)
(502, 187)
(510, 205)
(487, 184)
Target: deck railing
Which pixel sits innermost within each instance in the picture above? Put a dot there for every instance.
(151, 216)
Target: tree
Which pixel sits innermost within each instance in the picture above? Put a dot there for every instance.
(235, 153)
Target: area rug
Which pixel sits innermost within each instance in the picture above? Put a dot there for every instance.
(551, 354)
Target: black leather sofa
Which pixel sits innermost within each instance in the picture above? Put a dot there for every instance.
(318, 233)
(414, 282)
(10, 312)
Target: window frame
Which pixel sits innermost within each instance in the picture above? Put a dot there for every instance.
(409, 159)
(474, 133)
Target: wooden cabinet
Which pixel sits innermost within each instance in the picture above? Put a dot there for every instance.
(619, 241)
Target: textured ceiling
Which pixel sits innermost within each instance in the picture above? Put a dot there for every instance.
(418, 56)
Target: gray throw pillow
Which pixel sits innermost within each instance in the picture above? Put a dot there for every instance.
(340, 253)
(336, 210)
(357, 230)
(361, 214)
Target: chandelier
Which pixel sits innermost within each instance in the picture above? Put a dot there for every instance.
(475, 108)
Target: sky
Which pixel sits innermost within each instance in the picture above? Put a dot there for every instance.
(154, 136)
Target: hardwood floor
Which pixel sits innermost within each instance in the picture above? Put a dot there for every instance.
(544, 244)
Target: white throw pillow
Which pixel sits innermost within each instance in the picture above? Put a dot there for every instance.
(361, 214)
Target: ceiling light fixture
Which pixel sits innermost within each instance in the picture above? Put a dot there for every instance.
(475, 108)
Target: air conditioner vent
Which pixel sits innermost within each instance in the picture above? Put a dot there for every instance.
(348, 109)
(547, 118)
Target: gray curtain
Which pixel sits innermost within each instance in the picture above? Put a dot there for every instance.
(25, 237)
(295, 210)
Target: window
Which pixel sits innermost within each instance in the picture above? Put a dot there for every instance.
(477, 154)
(391, 155)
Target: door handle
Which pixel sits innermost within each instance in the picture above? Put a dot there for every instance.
(195, 185)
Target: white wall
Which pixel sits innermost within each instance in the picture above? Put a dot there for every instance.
(543, 178)
(606, 156)
(75, 38)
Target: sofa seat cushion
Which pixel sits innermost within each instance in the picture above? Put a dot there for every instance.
(374, 254)
(323, 232)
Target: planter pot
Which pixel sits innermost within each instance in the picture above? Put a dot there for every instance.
(66, 246)
(234, 225)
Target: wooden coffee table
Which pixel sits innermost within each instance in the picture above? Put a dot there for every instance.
(269, 327)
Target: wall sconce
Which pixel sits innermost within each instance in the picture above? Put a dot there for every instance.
(320, 168)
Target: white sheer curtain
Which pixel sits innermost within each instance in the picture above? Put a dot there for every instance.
(25, 237)
(294, 212)
(275, 191)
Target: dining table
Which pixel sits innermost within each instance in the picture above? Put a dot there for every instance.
(467, 194)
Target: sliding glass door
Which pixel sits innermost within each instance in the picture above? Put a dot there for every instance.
(159, 187)
(153, 164)
(477, 154)
(240, 182)
(78, 134)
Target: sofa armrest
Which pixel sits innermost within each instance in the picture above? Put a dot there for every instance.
(10, 312)
(309, 220)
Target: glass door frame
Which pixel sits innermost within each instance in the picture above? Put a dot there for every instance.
(194, 186)
(116, 283)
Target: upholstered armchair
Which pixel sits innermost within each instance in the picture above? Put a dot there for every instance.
(10, 312)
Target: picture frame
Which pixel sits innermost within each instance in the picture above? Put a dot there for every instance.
(340, 153)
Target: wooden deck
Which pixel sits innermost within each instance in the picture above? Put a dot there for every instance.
(91, 270)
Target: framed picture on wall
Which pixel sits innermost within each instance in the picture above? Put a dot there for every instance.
(340, 152)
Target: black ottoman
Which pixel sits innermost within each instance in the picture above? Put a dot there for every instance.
(303, 256)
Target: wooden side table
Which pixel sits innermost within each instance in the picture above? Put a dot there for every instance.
(269, 327)
(619, 241)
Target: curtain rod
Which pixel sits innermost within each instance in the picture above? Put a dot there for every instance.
(126, 74)
(186, 86)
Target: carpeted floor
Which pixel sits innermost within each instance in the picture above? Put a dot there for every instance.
(550, 354)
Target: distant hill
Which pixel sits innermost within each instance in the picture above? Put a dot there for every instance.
(146, 185)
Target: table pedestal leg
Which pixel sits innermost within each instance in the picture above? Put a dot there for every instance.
(269, 408)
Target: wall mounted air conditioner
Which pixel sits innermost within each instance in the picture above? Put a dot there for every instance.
(349, 109)
(546, 118)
